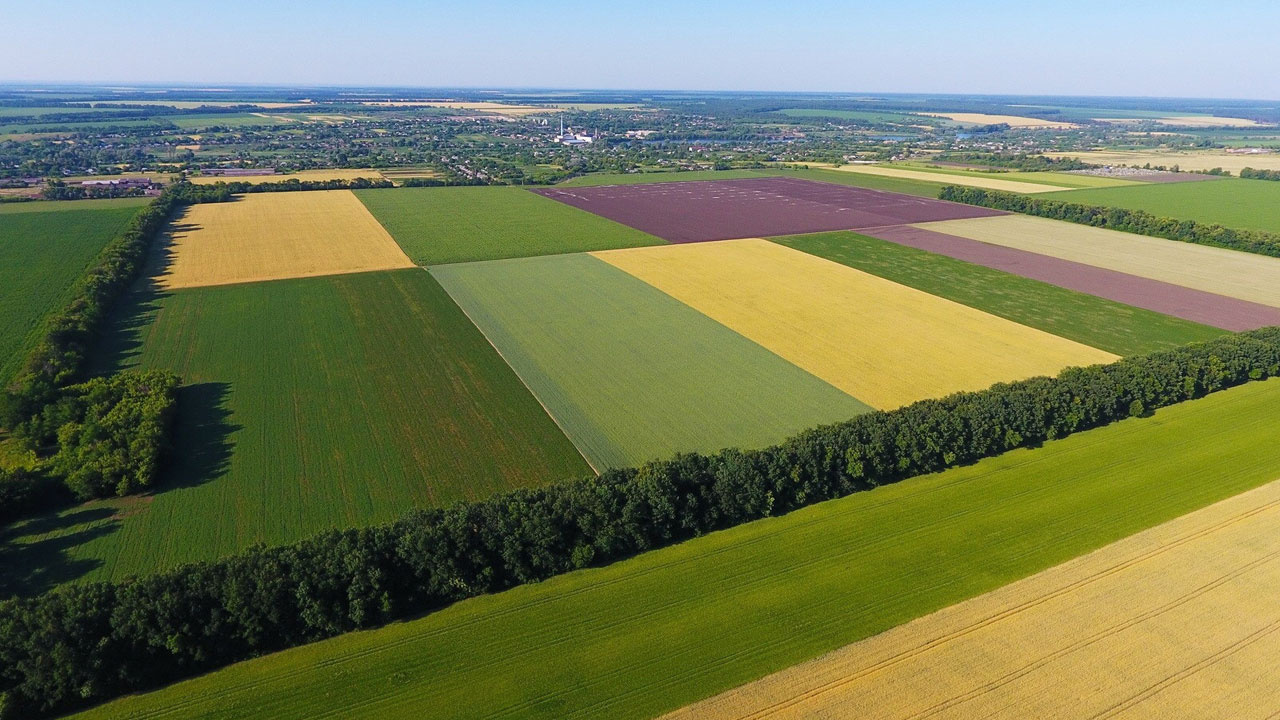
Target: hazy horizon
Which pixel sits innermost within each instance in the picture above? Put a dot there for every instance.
(1098, 49)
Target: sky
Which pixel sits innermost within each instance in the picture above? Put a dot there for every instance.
(1174, 48)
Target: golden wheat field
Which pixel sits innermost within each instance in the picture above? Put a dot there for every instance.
(1177, 621)
(1186, 161)
(884, 343)
(991, 183)
(1197, 121)
(1225, 272)
(333, 174)
(270, 236)
(1016, 121)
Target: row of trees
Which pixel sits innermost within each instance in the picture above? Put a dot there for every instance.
(1014, 161)
(1134, 221)
(1252, 174)
(86, 643)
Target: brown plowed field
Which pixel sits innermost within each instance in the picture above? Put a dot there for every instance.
(1208, 308)
(755, 207)
(1177, 621)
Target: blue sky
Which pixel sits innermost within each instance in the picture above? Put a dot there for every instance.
(1080, 47)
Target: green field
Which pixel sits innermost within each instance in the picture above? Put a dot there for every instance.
(325, 402)
(460, 224)
(233, 120)
(39, 206)
(656, 177)
(1104, 324)
(872, 116)
(1235, 203)
(41, 256)
(630, 373)
(874, 182)
(650, 634)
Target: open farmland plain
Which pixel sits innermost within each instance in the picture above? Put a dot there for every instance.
(309, 404)
(42, 254)
(630, 373)
(272, 236)
(301, 175)
(1085, 318)
(883, 343)
(723, 210)
(1244, 276)
(674, 626)
(990, 181)
(1234, 203)
(446, 225)
(1192, 161)
(1176, 621)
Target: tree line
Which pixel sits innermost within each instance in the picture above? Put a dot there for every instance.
(1113, 218)
(1252, 174)
(86, 643)
(1014, 161)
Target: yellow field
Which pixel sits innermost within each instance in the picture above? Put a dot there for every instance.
(1186, 161)
(335, 174)
(270, 236)
(1016, 121)
(492, 107)
(1177, 621)
(1226, 272)
(886, 344)
(992, 183)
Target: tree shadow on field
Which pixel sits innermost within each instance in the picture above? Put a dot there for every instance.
(31, 567)
(202, 443)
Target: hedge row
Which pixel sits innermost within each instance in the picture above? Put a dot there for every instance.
(1134, 221)
(1252, 174)
(91, 642)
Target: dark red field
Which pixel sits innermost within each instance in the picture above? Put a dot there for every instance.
(1194, 305)
(756, 207)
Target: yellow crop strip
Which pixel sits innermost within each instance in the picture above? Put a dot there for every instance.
(270, 236)
(884, 343)
(991, 183)
(1236, 274)
(1176, 621)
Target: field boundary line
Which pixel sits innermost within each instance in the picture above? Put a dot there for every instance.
(513, 369)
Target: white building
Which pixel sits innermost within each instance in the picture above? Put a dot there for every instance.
(571, 138)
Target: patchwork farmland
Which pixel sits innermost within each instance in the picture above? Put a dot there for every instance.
(693, 432)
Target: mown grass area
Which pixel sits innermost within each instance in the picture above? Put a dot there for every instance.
(1235, 203)
(324, 402)
(1098, 322)
(659, 631)
(40, 206)
(42, 254)
(460, 224)
(629, 372)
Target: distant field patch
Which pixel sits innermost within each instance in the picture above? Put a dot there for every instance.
(302, 175)
(1191, 160)
(721, 210)
(42, 254)
(1015, 121)
(484, 107)
(1255, 278)
(1085, 318)
(677, 625)
(460, 224)
(1176, 621)
(1234, 203)
(39, 206)
(270, 236)
(883, 343)
(630, 373)
(991, 181)
(309, 404)
(1195, 121)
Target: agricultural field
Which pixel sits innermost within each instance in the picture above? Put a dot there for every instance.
(1015, 121)
(1188, 161)
(757, 207)
(41, 206)
(630, 373)
(870, 116)
(849, 327)
(680, 624)
(1063, 180)
(301, 175)
(1244, 276)
(308, 404)
(1080, 316)
(1176, 621)
(462, 224)
(271, 236)
(990, 181)
(44, 249)
(1234, 203)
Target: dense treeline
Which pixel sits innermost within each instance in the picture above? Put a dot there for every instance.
(108, 433)
(1134, 221)
(1014, 161)
(24, 492)
(1252, 174)
(90, 642)
(190, 193)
